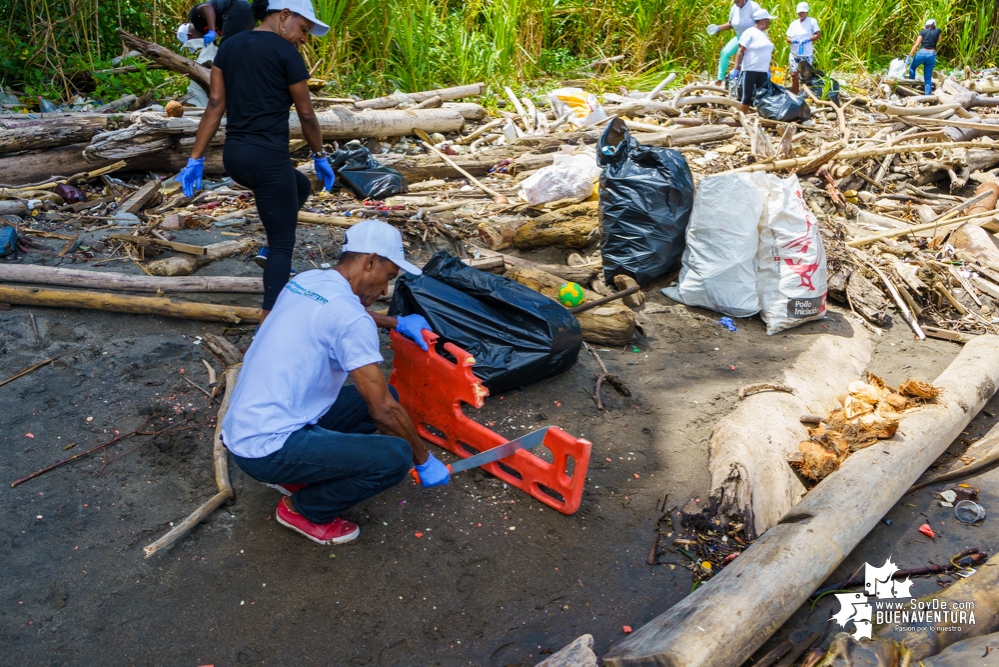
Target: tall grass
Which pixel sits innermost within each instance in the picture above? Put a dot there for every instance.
(376, 46)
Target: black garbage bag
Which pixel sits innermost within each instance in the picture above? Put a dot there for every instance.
(364, 176)
(516, 335)
(822, 86)
(646, 194)
(778, 103)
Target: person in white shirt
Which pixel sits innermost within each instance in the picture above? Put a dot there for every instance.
(293, 423)
(753, 58)
(740, 17)
(801, 34)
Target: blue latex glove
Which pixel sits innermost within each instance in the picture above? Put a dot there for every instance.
(734, 75)
(908, 59)
(190, 176)
(433, 473)
(324, 171)
(210, 37)
(728, 324)
(412, 326)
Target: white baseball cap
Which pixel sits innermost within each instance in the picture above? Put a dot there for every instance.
(761, 14)
(802, 7)
(932, 22)
(302, 8)
(182, 32)
(380, 238)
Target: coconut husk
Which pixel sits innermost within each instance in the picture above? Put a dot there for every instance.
(918, 389)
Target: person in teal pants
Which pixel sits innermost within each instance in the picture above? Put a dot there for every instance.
(740, 17)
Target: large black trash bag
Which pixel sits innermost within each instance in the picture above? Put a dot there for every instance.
(364, 176)
(516, 335)
(778, 103)
(646, 194)
(822, 86)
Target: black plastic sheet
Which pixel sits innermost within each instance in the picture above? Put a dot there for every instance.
(646, 194)
(778, 103)
(516, 335)
(822, 86)
(364, 176)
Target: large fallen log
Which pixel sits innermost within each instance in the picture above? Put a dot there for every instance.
(65, 161)
(749, 448)
(117, 303)
(32, 134)
(153, 132)
(167, 59)
(185, 265)
(727, 619)
(446, 94)
(574, 226)
(57, 275)
(611, 324)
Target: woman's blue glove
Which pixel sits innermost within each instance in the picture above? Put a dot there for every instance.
(190, 176)
(908, 59)
(433, 473)
(412, 327)
(734, 75)
(210, 37)
(324, 171)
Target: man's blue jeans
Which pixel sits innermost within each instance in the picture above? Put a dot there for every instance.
(341, 459)
(928, 59)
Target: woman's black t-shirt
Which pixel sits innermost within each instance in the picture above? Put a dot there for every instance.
(258, 67)
(930, 38)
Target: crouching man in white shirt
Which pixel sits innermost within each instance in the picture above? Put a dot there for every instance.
(293, 423)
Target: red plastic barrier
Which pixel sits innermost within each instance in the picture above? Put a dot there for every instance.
(432, 389)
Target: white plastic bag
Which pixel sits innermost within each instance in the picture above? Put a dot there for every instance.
(582, 106)
(719, 262)
(897, 70)
(791, 278)
(569, 177)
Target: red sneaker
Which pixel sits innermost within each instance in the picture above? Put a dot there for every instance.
(287, 489)
(336, 531)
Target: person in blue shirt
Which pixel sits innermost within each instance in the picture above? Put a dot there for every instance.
(924, 52)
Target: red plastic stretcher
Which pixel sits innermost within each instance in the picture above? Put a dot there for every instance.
(432, 388)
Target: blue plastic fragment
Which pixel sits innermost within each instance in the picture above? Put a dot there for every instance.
(728, 324)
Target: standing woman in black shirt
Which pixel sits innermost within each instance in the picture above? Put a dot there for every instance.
(257, 75)
(926, 43)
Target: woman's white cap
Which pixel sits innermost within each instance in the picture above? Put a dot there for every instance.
(182, 32)
(932, 22)
(761, 14)
(302, 8)
(802, 7)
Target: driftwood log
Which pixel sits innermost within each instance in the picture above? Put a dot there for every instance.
(117, 303)
(56, 275)
(185, 265)
(220, 459)
(446, 94)
(32, 134)
(612, 324)
(750, 447)
(167, 59)
(757, 592)
(574, 226)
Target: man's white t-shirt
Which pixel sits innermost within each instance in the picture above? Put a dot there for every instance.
(741, 18)
(759, 49)
(800, 30)
(317, 333)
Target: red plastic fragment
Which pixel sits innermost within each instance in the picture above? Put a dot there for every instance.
(927, 531)
(432, 389)
(627, 629)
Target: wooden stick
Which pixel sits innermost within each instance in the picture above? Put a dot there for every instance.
(143, 305)
(28, 370)
(916, 228)
(57, 275)
(957, 123)
(903, 308)
(607, 299)
(219, 456)
(473, 179)
(854, 154)
(335, 221)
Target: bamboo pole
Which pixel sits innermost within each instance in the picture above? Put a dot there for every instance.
(219, 457)
(733, 614)
(141, 305)
(774, 165)
(985, 127)
(916, 228)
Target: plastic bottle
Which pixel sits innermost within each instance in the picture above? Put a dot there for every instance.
(46, 106)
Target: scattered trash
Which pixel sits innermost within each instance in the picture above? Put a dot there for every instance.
(571, 294)
(364, 176)
(728, 324)
(8, 241)
(927, 531)
(968, 511)
(581, 107)
(778, 103)
(569, 177)
(626, 628)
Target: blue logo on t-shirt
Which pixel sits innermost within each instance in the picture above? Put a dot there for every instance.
(295, 288)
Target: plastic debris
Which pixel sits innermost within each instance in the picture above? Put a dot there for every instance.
(927, 531)
(728, 324)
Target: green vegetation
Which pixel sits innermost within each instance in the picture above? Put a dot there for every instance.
(376, 46)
